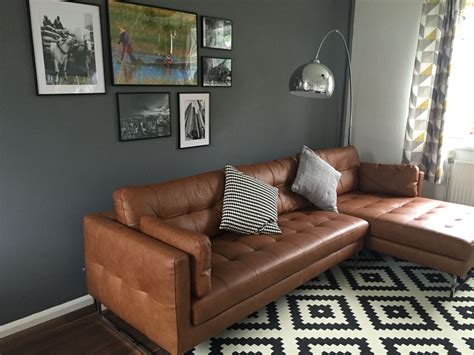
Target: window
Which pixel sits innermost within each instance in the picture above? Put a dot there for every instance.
(459, 124)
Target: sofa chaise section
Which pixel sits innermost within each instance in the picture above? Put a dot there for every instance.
(403, 224)
(432, 233)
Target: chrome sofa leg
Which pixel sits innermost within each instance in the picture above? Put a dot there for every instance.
(122, 333)
(356, 261)
(454, 286)
(459, 282)
(98, 307)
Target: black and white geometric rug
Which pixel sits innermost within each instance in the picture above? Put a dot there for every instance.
(387, 306)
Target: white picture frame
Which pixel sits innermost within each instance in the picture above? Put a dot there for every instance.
(67, 45)
(194, 119)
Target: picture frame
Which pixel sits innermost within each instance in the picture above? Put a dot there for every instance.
(67, 44)
(152, 45)
(143, 115)
(194, 119)
(216, 72)
(216, 33)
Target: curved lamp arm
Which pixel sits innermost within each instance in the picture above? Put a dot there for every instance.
(346, 47)
(315, 80)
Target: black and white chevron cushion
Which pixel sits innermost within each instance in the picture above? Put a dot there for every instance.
(250, 205)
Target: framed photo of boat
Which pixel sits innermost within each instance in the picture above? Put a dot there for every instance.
(194, 119)
(216, 72)
(67, 45)
(143, 115)
(152, 45)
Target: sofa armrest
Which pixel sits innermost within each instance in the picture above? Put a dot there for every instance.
(142, 280)
(195, 244)
(389, 179)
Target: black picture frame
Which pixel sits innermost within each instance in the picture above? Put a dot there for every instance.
(204, 43)
(181, 125)
(204, 68)
(120, 112)
(99, 54)
(111, 51)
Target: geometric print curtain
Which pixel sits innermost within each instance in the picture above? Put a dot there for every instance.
(425, 123)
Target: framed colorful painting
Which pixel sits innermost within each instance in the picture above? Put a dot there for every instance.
(152, 45)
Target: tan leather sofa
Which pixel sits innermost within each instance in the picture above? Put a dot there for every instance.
(160, 262)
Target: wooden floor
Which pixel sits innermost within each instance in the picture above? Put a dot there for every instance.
(80, 332)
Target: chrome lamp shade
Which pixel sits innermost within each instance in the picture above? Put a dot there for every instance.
(313, 80)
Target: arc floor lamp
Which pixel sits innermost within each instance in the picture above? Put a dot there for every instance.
(315, 80)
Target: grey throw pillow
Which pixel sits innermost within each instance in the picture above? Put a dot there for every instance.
(316, 180)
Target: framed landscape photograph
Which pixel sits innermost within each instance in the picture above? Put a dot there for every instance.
(143, 115)
(152, 45)
(216, 72)
(216, 33)
(194, 125)
(67, 46)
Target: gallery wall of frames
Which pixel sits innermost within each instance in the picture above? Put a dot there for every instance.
(149, 46)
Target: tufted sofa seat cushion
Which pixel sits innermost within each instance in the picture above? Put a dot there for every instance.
(435, 226)
(244, 265)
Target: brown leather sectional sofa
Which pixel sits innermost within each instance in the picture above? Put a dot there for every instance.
(160, 262)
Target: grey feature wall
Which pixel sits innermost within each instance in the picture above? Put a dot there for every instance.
(60, 157)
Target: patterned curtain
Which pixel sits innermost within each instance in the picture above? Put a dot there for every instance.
(424, 130)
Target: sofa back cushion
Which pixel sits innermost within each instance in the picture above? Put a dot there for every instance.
(346, 161)
(195, 203)
(389, 179)
(279, 173)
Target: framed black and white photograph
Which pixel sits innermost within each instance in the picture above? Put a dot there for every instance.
(216, 33)
(143, 115)
(194, 116)
(67, 46)
(216, 72)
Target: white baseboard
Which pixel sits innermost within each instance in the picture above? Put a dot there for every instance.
(44, 316)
